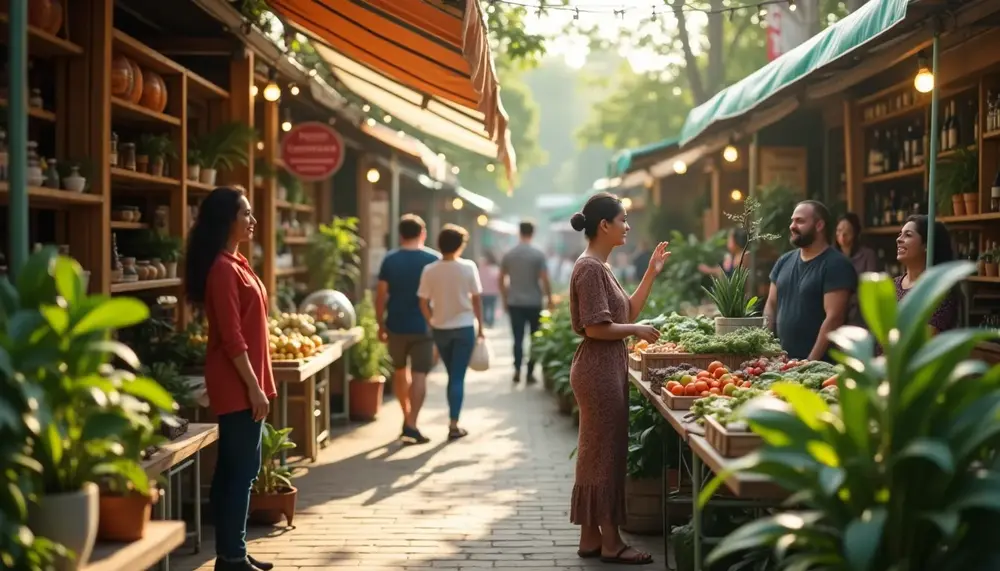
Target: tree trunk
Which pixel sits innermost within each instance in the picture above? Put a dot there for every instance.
(853, 5)
(690, 61)
(716, 73)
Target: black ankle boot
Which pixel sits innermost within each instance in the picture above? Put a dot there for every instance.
(262, 565)
(244, 565)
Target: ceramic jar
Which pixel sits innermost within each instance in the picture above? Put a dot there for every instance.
(74, 182)
(145, 271)
(161, 270)
(129, 272)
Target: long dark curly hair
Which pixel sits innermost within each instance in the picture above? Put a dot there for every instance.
(208, 237)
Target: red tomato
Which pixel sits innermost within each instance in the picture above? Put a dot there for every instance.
(715, 390)
(832, 381)
(677, 390)
(746, 384)
(690, 390)
(701, 386)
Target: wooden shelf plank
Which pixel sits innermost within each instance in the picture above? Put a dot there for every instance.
(886, 230)
(904, 173)
(144, 285)
(985, 217)
(296, 240)
(991, 135)
(197, 437)
(41, 195)
(983, 279)
(285, 205)
(201, 88)
(36, 112)
(142, 54)
(42, 43)
(292, 271)
(898, 113)
(159, 539)
(200, 187)
(122, 225)
(132, 179)
(122, 109)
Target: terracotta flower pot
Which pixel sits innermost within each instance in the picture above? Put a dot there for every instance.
(548, 382)
(267, 509)
(993, 270)
(142, 163)
(971, 201)
(366, 398)
(981, 268)
(957, 205)
(156, 166)
(123, 517)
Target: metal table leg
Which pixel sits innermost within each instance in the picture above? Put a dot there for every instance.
(283, 416)
(665, 503)
(197, 501)
(696, 509)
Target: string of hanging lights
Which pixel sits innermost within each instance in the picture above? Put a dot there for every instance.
(619, 10)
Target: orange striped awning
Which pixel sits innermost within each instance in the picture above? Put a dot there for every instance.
(437, 48)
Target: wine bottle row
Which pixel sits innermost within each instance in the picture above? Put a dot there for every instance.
(905, 147)
(892, 207)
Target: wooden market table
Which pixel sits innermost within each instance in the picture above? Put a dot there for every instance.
(314, 376)
(172, 459)
(160, 539)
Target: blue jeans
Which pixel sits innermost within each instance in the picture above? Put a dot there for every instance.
(235, 472)
(489, 309)
(455, 347)
(521, 317)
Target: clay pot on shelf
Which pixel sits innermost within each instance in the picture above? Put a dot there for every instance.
(208, 176)
(136, 213)
(971, 201)
(161, 270)
(992, 269)
(129, 272)
(70, 519)
(156, 166)
(147, 271)
(142, 163)
(154, 92)
(135, 95)
(55, 18)
(40, 13)
(194, 172)
(74, 182)
(171, 269)
(957, 205)
(123, 517)
(981, 268)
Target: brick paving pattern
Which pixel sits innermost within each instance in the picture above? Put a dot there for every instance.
(498, 499)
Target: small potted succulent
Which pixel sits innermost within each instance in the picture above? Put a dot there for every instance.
(156, 149)
(193, 162)
(989, 263)
(273, 494)
(225, 147)
(170, 253)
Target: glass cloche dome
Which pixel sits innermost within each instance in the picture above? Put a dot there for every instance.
(330, 307)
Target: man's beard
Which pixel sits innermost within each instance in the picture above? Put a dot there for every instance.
(804, 240)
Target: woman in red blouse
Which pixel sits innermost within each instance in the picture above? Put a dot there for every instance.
(237, 362)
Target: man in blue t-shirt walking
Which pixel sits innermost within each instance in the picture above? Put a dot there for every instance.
(402, 326)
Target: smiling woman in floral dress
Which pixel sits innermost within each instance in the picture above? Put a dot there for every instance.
(604, 314)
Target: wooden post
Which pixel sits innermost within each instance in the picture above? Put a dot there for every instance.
(267, 219)
(854, 155)
(364, 220)
(241, 108)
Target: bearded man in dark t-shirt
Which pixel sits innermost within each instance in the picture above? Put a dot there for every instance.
(810, 286)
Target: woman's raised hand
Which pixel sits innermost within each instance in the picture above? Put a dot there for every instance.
(659, 257)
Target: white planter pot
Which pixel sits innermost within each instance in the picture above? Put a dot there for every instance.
(258, 180)
(75, 183)
(171, 269)
(194, 172)
(70, 519)
(208, 176)
(725, 325)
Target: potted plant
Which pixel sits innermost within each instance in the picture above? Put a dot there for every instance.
(984, 259)
(273, 494)
(292, 186)
(59, 347)
(170, 252)
(991, 264)
(225, 147)
(156, 149)
(958, 176)
(193, 161)
(902, 474)
(74, 175)
(334, 255)
(262, 170)
(729, 291)
(127, 495)
(367, 358)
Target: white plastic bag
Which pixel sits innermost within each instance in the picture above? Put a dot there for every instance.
(480, 356)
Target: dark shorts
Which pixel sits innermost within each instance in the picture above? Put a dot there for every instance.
(418, 349)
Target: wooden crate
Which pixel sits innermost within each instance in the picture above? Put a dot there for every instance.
(675, 402)
(730, 444)
(702, 361)
(634, 363)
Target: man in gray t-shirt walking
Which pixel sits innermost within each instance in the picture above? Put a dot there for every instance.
(524, 287)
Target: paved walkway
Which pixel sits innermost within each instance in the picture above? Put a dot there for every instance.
(497, 499)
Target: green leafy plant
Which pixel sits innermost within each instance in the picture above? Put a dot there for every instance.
(227, 146)
(169, 377)
(156, 147)
(957, 174)
(293, 186)
(368, 354)
(169, 247)
(193, 153)
(334, 255)
(273, 477)
(903, 475)
(646, 430)
(728, 291)
(680, 283)
(776, 204)
(263, 169)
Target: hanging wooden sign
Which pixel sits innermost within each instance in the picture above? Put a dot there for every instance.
(312, 151)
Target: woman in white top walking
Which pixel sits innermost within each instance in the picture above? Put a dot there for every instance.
(451, 300)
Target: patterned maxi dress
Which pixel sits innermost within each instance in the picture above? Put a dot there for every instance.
(599, 377)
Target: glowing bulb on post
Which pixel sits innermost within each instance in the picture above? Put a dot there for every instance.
(272, 92)
(253, 90)
(482, 220)
(730, 154)
(490, 167)
(366, 107)
(286, 126)
(457, 204)
(924, 80)
(626, 203)
(260, 145)
(680, 167)
(736, 195)
(294, 90)
(387, 118)
(373, 175)
(455, 170)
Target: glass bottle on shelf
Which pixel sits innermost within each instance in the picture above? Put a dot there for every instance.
(128, 156)
(995, 193)
(4, 157)
(990, 112)
(954, 129)
(113, 156)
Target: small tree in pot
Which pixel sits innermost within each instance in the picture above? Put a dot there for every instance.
(367, 361)
(273, 494)
(729, 291)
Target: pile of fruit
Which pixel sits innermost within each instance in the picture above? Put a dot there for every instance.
(659, 347)
(716, 380)
(293, 336)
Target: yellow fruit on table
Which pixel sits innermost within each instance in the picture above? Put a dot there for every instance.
(300, 356)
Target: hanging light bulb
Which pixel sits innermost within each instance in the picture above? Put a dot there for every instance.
(387, 119)
(441, 156)
(253, 91)
(626, 203)
(455, 169)
(736, 195)
(680, 167)
(924, 80)
(482, 220)
(272, 92)
(286, 125)
(730, 153)
(457, 204)
(373, 175)
(791, 5)
(366, 108)
(490, 167)
(370, 121)
(260, 145)
(294, 90)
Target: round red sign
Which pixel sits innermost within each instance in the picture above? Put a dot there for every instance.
(312, 151)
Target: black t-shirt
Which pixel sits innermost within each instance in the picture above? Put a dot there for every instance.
(801, 287)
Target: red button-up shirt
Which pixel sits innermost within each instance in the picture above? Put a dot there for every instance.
(236, 307)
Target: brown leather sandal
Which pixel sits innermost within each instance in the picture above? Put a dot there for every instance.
(640, 559)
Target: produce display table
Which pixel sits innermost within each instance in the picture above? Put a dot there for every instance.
(173, 458)
(160, 539)
(746, 490)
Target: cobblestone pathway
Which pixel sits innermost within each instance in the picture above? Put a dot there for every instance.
(497, 499)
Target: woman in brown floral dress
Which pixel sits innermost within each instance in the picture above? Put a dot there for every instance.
(604, 314)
